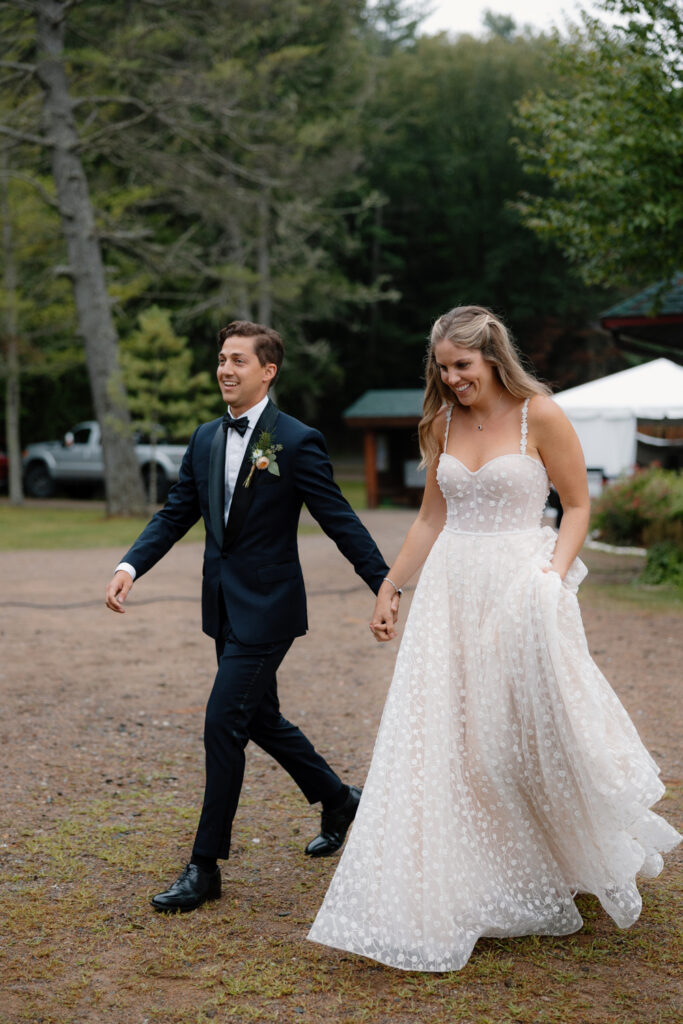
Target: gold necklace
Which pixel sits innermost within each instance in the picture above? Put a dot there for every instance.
(480, 426)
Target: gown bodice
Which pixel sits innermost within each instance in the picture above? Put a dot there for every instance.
(506, 495)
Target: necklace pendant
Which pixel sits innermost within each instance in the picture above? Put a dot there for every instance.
(479, 426)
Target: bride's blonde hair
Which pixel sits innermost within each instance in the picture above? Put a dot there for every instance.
(473, 327)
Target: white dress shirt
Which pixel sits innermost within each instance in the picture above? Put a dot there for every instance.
(235, 449)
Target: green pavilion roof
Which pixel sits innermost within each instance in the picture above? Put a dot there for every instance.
(390, 404)
(670, 303)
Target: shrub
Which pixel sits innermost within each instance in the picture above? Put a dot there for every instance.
(644, 509)
(664, 564)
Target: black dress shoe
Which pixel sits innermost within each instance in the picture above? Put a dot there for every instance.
(192, 888)
(334, 825)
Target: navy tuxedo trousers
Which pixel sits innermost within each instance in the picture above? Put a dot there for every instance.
(244, 706)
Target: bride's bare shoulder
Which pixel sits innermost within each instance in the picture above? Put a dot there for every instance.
(544, 411)
(549, 426)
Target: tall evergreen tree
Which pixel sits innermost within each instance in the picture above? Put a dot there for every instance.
(610, 142)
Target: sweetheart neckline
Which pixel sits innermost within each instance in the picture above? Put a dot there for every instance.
(505, 455)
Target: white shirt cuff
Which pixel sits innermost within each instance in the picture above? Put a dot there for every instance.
(127, 567)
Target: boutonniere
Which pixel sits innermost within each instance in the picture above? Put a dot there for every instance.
(263, 456)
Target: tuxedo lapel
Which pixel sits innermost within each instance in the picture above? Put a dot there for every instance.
(217, 484)
(243, 496)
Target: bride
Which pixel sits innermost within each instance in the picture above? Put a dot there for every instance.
(506, 776)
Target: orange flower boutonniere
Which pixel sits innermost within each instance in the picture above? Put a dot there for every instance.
(263, 456)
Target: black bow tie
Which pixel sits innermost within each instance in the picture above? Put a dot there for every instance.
(241, 425)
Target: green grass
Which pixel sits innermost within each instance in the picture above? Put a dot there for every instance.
(661, 598)
(354, 492)
(615, 578)
(33, 527)
(85, 525)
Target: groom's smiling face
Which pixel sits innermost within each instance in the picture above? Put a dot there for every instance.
(242, 378)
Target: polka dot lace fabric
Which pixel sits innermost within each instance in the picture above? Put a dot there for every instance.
(506, 776)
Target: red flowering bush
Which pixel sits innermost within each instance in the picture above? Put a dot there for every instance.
(641, 510)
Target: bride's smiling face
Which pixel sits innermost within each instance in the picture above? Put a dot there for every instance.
(465, 371)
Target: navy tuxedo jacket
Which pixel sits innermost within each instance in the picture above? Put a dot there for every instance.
(254, 560)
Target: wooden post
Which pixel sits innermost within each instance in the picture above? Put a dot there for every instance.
(371, 487)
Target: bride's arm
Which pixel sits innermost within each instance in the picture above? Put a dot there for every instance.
(417, 545)
(559, 447)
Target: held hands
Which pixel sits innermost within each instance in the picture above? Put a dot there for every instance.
(385, 615)
(117, 590)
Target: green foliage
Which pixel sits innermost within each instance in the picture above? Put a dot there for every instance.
(609, 140)
(664, 564)
(44, 335)
(164, 396)
(437, 144)
(44, 302)
(642, 510)
(305, 164)
(499, 24)
(246, 148)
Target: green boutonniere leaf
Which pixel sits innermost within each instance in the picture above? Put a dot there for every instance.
(263, 455)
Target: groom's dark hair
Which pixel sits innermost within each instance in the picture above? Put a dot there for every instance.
(268, 344)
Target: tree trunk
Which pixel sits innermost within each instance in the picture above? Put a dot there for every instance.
(243, 306)
(265, 298)
(9, 329)
(375, 260)
(237, 256)
(123, 482)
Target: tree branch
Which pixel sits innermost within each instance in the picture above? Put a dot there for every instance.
(119, 237)
(34, 183)
(109, 130)
(34, 140)
(15, 65)
(121, 98)
(23, 5)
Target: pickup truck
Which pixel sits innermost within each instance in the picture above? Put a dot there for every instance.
(77, 460)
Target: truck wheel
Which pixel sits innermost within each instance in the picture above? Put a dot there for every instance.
(38, 482)
(162, 483)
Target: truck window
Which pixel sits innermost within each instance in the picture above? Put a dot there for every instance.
(82, 436)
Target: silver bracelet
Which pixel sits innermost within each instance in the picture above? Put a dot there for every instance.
(397, 590)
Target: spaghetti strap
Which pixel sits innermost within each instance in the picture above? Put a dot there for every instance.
(448, 423)
(522, 439)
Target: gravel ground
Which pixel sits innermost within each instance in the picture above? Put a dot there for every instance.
(95, 702)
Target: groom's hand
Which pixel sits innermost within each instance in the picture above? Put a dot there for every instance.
(117, 590)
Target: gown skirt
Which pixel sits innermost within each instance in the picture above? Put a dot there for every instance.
(506, 777)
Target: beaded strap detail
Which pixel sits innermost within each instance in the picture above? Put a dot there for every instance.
(448, 423)
(522, 440)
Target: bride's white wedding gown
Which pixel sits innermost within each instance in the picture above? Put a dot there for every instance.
(506, 775)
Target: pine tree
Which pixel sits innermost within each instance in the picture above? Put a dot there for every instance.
(165, 398)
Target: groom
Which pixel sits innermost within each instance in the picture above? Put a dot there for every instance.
(248, 475)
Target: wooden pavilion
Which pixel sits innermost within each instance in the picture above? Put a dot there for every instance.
(650, 322)
(389, 420)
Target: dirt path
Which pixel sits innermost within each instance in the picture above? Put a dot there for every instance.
(101, 780)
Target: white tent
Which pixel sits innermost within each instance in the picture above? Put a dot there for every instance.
(604, 412)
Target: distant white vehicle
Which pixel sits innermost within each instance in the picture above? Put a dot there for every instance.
(78, 459)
